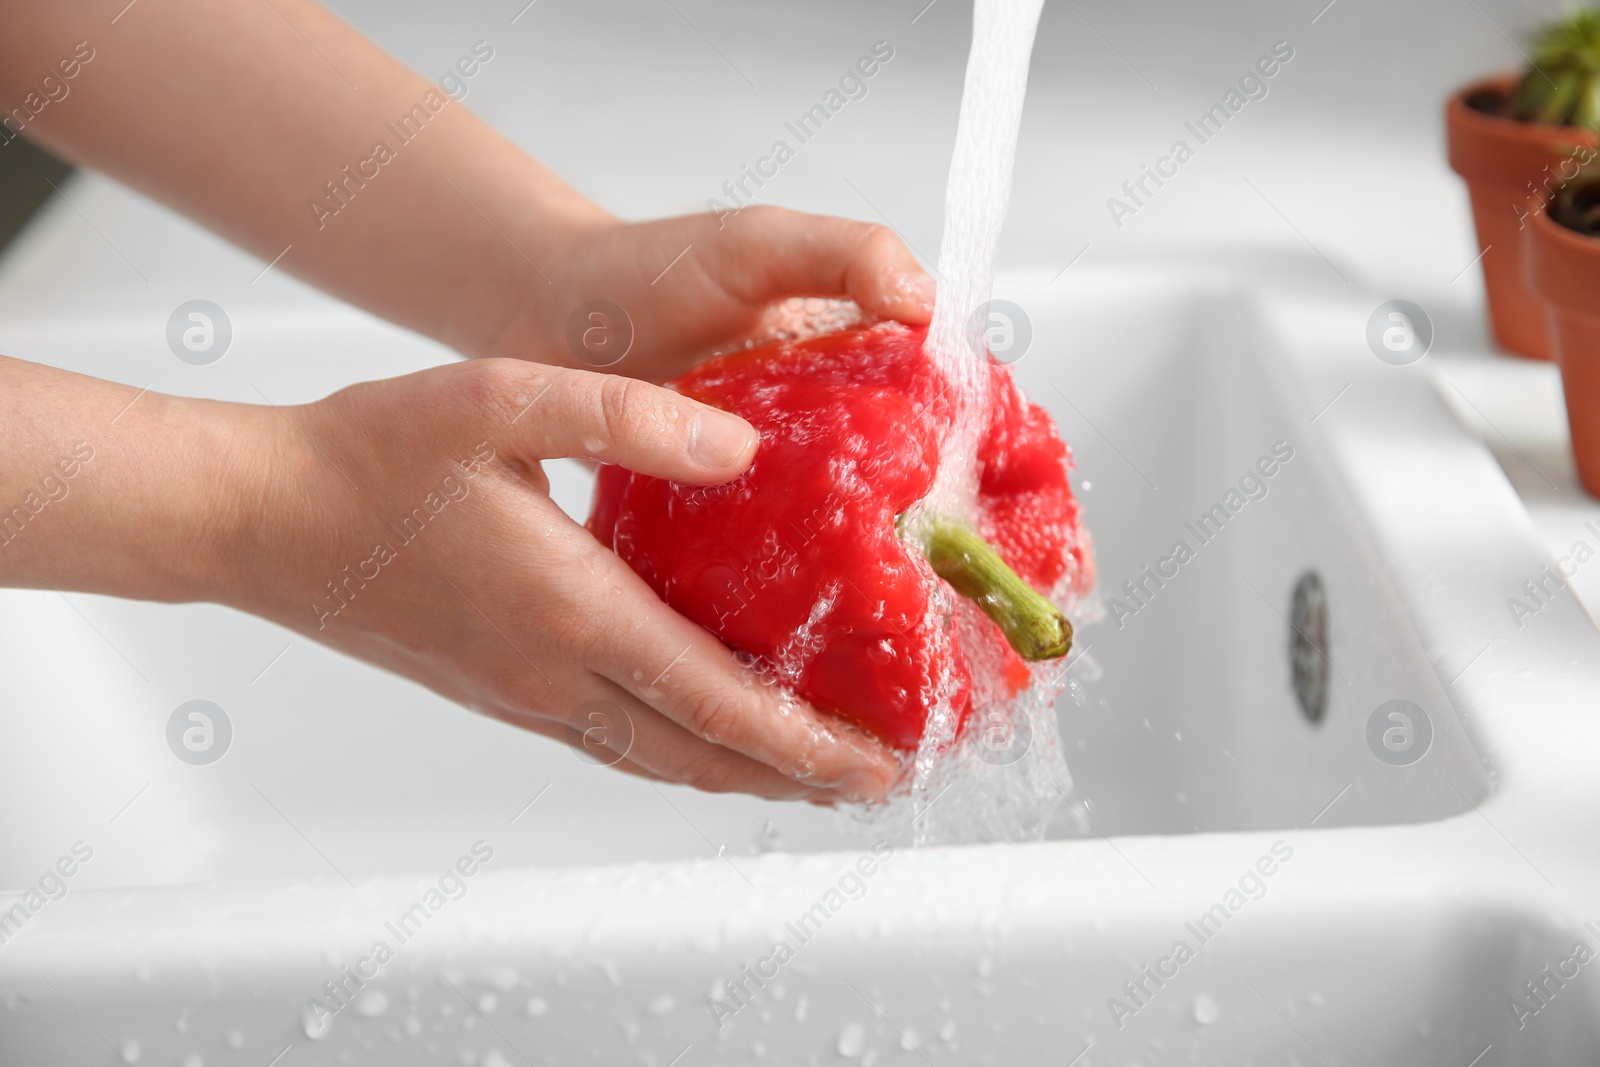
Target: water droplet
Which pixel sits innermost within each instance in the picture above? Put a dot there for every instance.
(412, 1026)
(909, 1041)
(130, 1049)
(142, 975)
(235, 1039)
(537, 1006)
(193, 1060)
(371, 1004)
(852, 1039)
(317, 1025)
(1086, 485)
(504, 979)
(1206, 1011)
(800, 1008)
(661, 1005)
(595, 444)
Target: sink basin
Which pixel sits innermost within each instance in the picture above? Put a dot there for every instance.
(1258, 861)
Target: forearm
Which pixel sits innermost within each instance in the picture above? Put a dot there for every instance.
(109, 490)
(242, 114)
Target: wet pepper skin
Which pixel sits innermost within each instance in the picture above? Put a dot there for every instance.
(798, 561)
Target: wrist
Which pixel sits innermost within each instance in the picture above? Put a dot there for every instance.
(533, 324)
(261, 521)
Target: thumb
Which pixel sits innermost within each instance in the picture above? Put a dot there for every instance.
(634, 424)
(768, 253)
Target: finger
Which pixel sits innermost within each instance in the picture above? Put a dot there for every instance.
(681, 670)
(766, 254)
(643, 427)
(671, 753)
(610, 727)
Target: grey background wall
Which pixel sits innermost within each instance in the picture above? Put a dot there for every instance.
(649, 106)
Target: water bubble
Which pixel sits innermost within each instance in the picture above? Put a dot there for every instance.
(852, 1039)
(314, 1024)
(371, 1004)
(1206, 1011)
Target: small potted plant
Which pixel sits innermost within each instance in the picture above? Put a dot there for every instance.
(1518, 140)
(1563, 246)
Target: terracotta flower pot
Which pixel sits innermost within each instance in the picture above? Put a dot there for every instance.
(1505, 162)
(1564, 270)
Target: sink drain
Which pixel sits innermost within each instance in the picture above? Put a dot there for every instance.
(1308, 646)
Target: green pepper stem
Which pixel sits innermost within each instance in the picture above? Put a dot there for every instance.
(1032, 625)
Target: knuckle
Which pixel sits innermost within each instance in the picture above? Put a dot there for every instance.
(712, 715)
(877, 240)
(626, 405)
(493, 385)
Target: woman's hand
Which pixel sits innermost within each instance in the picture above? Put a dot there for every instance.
(407, 522)
(698, 284)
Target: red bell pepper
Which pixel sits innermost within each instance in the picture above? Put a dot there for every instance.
(817, 559)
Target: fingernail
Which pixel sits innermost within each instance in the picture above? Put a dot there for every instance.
(923, 289)
(721, 440)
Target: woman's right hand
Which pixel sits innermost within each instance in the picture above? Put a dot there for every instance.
(408, 522)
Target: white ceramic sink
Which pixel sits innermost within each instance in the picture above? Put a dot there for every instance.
(1406, 903)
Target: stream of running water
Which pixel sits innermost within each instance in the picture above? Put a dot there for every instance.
(1005, 775)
